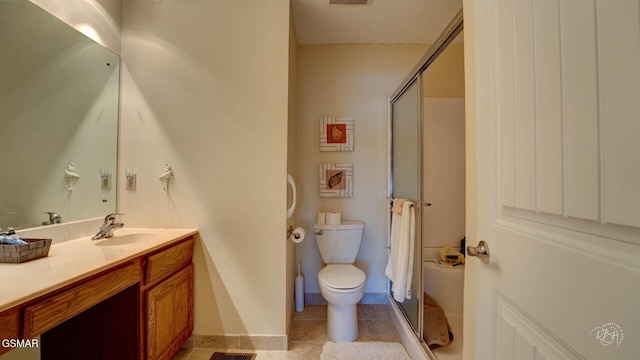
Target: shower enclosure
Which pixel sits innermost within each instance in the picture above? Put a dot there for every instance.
(427, 139)
(406, 179)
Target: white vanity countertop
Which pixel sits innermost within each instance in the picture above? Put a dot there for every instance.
(74, 260)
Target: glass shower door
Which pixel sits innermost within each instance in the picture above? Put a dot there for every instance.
(406, 180)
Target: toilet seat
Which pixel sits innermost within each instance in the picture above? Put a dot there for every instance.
(341, 277)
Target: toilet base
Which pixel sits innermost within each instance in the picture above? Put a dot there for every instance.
(342, 322)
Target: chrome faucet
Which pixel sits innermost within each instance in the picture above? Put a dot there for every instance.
(54, 218)
(108, 227)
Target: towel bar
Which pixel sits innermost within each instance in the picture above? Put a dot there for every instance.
(413, 202)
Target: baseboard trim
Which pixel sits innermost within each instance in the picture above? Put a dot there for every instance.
(369, 298)
(240, 342)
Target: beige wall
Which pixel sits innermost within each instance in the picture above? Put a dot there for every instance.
(204, 88)
(350, 81)
(444, 78)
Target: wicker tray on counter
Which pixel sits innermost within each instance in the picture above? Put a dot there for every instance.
(35, 249)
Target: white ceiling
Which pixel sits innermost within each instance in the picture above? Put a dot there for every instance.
(381, 22)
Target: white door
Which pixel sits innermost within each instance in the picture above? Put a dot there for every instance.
(557, 86)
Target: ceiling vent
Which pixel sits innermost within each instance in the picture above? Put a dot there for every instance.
(349, 2)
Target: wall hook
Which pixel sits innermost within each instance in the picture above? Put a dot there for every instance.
(166, 175)
(70, 175)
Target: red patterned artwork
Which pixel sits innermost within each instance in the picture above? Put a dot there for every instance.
(336, 133)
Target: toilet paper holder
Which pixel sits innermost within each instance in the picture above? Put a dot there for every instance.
(290, 232)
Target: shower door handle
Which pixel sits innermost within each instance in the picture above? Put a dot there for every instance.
(481, 251)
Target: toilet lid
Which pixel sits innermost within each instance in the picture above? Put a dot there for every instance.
(342, 276)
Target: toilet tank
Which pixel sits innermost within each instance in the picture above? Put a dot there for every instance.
(339, 244)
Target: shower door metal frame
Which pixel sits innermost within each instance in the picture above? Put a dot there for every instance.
(417, 202)
(453, 29)
(444, 39)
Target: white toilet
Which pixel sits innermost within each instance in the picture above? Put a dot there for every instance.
(341, 283)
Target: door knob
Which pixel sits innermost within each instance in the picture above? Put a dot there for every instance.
(481, 251)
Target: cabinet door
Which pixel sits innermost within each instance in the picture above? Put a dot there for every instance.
(169, 314)
(9, 327)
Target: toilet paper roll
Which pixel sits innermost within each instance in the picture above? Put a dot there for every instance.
(334, 218)
(297, 235)
(322, 218)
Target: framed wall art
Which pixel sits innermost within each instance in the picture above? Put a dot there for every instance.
(335, 180)
(336, 134)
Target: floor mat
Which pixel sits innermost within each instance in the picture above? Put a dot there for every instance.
(363, 351)
(232, 356)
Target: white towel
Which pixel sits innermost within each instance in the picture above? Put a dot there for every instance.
(400, 265)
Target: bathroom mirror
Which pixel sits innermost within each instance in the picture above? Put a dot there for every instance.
(58, 107)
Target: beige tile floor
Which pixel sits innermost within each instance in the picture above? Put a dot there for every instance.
(309, 333)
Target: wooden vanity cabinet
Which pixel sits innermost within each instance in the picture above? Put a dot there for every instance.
(137, 310)
(168, 297)
(54, 310)
(94, 318)
(9, 327)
